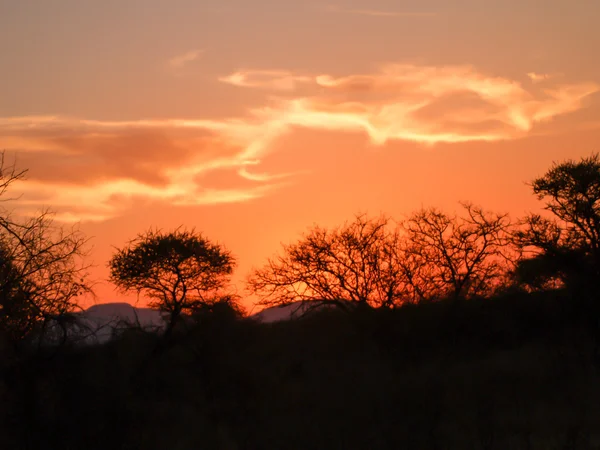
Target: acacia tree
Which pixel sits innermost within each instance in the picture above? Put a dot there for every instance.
(565, 247)
(42, 267)
(450, 256)
(179, 271)
(355, 264)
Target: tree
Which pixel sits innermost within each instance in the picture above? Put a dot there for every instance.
(564, 248)
(179, 271)
(454, 256)
(572, 193)
(42, 268)
(355, 264)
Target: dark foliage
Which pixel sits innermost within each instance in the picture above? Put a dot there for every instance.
(515, 371)
(355, 264)
(371, 262)
(565, 248)
(452, 256)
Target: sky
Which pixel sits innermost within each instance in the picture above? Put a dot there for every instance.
(254, 120)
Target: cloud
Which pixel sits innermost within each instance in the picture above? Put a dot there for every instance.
(79, 157)
(378, 13)
(94, 170)
(425, 104)
(107, 200)
(240, 178)
(279, 80)
(540, 77)
(179, 61)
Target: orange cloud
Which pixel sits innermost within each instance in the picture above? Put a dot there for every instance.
(205, 161)
(430, 104)
(105, 200)
(90, 170)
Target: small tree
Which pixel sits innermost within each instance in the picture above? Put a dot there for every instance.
(179, 271)
(355, 264)
(456, 256)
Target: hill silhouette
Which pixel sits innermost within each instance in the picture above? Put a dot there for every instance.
(102, 322)
(106, 321)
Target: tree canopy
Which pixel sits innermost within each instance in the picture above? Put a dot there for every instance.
(179, 271)
(456, 256)
(564, 247)
(354, 264)
(375, 262)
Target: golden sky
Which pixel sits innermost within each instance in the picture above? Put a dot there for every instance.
(252, 120)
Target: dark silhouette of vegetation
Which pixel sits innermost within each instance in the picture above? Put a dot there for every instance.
(431, 255)
(564, 248)
(454, 331)
(449, 256)
(178, 271)
(42, 268)
(357, 264)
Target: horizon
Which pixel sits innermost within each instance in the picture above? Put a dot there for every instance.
(251, 123)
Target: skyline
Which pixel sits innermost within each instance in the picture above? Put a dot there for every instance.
(256, 121)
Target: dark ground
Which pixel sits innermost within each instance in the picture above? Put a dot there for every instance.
(514, 372)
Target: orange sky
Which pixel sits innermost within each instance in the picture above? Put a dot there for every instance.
(252, 120)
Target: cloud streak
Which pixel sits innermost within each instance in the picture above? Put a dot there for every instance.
(279, 80)
(541, 77)
(180, 61)
(94, 170)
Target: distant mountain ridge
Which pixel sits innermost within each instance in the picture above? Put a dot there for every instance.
(289, 311)
(100, 323)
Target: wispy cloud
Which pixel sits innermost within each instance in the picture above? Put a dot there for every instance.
(95, 169)
(180, 61)
(540, 77)
(378, 13)
(427, 104)
(281, 80)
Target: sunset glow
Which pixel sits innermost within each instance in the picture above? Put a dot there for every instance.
(253, 120)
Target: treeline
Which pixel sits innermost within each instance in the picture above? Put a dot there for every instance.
(367, 262)
(467, 330)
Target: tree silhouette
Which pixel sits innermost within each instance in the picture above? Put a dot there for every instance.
(450, 256)
(42, 269)
(179, 271)
(355, 264)
(566, 247)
